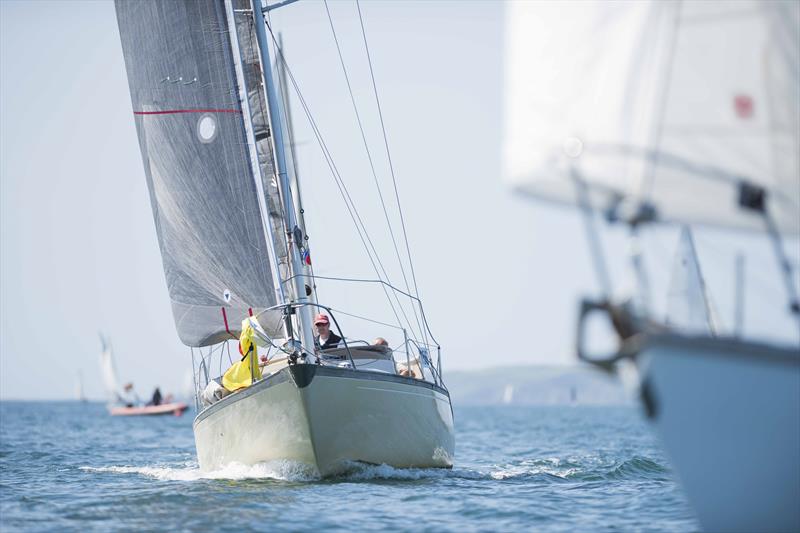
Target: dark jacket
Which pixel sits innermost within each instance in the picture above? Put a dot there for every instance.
(332, 342)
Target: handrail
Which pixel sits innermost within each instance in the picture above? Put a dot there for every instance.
(437, 375)
(389, 285)
(295, 305)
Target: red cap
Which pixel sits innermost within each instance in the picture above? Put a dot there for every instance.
(321, 319)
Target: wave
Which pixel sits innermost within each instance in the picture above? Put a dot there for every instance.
(589, 468)
(552, 467)
(638, 468)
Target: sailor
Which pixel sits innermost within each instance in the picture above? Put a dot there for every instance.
(380, 341)
(325, 338)
(156, 399)
(129, 398)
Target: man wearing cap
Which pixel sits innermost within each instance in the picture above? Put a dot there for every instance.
(325, 338)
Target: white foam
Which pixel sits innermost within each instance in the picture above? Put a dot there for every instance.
(292, 471)
(552, 466)
(365, 472)
(277, 470)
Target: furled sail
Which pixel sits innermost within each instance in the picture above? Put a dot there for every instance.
(671, 104)
(196, 147)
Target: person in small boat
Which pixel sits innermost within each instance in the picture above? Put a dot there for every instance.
(325, 338)
(156, 399)
(128, 397)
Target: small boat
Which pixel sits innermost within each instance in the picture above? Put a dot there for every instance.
(655, 113)
(115, 404)
(172, 408)
(231, 227)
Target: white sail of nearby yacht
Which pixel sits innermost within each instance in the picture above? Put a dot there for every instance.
(684, 112)
(229, 220)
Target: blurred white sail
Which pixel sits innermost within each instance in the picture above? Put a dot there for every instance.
(670, 103)
(688, 305)
(110, 381)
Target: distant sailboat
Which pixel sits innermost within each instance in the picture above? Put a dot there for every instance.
(109, 371)
(677, 112)
(79, 394)
(508, 394)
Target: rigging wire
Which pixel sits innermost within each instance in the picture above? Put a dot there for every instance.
(340, 312)
(388, 153)
(354, 215)
(287, 117)
(411, 296)
(371, 162)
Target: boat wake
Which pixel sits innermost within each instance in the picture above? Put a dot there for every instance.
(547, 470)
(275, 470)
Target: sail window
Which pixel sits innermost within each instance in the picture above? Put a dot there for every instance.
(207, 128)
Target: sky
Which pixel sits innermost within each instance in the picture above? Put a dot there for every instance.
(500, 275)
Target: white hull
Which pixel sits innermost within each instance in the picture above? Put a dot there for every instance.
(728, 413)
(326, 417)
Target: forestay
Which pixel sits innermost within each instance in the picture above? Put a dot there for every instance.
(196, 148)
(668, 103)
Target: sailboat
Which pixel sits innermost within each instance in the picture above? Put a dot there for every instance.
(115, 405)
(650, 113)
(235, 254)
(79, 393)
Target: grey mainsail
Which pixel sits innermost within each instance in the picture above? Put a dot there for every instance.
(196, 153)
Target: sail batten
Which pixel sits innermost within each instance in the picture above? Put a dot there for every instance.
(197, 160)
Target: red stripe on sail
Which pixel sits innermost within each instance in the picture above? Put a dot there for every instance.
(225, 318)
(177, 111)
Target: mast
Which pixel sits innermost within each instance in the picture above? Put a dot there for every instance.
(295, 174)
(290, 217)
(298, 199)
(256, 168)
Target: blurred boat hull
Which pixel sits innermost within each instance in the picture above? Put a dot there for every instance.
(728, 414)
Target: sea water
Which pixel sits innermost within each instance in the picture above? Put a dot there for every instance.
(69, 466)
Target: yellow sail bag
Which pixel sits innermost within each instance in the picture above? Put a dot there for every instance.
(239, 375)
